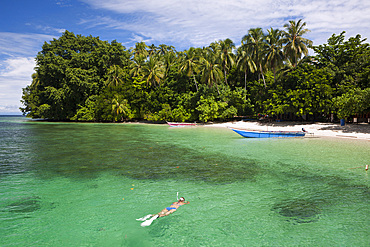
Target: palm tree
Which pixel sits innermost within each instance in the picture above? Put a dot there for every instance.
(245, 62)
(295, 44)
(140, 49)
(152, 49)
(227, 56)
(153, 71)
(119, 107)
(274, 53)
(190, 64)
(255, 42)
(210, 68)
(163, 49)
(115, 76)
(169, 59)
(288, 66)
(136, 68)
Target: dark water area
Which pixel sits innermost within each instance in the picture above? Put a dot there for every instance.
(85, 184)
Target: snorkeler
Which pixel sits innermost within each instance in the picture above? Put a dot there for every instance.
(174, 206)
(167, 211)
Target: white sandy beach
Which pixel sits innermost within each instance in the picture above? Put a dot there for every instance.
(349, 131)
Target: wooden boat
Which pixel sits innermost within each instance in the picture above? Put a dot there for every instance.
(268, 134)
(173, 124)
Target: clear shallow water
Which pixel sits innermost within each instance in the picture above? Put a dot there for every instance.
(68, 184)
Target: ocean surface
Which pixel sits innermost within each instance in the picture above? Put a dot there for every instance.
(85, 184)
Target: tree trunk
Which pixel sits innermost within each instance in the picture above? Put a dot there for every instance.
(225, 76)
(245, 82)
(218, 91)
(195, 81)
(264, 82)
(245, 79)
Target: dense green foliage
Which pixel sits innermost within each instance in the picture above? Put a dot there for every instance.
(85, 79)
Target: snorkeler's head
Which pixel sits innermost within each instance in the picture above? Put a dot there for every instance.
(182, 199)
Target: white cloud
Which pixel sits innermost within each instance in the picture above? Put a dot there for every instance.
(16, 44)
(20, 67)
(17, 62)
(197, 23)
(138, 38)
(63, 3)
(15, 74)
(49, 29)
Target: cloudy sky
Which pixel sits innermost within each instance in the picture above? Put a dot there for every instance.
(25, 25)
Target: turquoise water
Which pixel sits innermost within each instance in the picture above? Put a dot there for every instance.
(68, 184)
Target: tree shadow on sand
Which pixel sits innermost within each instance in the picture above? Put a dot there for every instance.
(348, 128)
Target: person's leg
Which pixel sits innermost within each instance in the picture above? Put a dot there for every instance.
(166, 212)
(162, 213)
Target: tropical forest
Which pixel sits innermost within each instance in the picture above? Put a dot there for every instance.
(268, 73)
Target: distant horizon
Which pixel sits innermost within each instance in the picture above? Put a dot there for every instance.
(11, 114)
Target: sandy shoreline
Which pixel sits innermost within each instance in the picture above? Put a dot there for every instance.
(349, 131)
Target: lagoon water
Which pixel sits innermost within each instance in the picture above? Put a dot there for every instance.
(71, 184)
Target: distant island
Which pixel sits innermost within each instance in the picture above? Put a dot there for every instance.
(268, 74)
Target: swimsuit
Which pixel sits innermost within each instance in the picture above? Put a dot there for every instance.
(170, 208)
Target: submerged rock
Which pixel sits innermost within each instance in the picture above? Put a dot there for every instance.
(25, 205)
(299, 211)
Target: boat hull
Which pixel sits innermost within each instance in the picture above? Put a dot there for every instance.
(172, 124)
(269, 134)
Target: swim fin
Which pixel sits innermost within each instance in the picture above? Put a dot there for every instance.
(149, 222)
(145, 217)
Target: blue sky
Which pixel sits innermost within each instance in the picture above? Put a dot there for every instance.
(25, 25)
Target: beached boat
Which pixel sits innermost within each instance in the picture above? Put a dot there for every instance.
(268, 134)
(172, 124)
